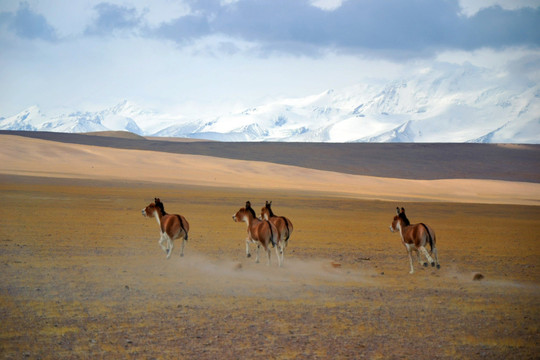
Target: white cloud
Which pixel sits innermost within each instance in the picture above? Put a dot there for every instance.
(205, 76)
(228, 2)
(471, 7)
(488, 58)
(160, 11)
(252, 56)
(328, 5)
(71, 18)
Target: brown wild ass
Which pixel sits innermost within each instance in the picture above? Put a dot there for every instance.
(260, 232)
(171, 226)
(283, 225)
(415, 237)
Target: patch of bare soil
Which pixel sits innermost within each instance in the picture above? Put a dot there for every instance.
(82, 276)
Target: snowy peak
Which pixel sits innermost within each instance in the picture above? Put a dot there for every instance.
(445, 104)
(121, 117)
(30, 119)
(126, 109)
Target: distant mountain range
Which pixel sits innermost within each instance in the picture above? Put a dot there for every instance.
(451, 104)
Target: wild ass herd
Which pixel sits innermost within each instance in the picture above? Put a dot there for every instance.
(269, 230)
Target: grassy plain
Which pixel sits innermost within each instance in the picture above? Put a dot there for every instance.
(82, 276)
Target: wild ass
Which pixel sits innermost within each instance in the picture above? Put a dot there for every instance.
(415, 237)
(283, 225)
(261, 232)
(171, 226)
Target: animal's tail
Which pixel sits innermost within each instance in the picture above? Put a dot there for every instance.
(271, 234)
(286, 225)
(429, 236)
(182, 226)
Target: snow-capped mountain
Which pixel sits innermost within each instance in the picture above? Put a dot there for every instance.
(447, 104)
(116, 118)
(125, 116)
(30, 119)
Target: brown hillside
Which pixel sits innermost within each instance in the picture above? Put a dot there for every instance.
(393, 160)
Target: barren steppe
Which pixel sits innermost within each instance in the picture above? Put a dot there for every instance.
(83, 276)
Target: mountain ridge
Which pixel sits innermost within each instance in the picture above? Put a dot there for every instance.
(448, 104)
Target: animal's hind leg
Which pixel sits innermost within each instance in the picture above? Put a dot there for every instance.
(257, 253)
(410, 261)
(279, 259)
(426, 254)
(268, 254)
(436, 256)
(419, 259)
(247, 248)
(184, 241)
(160, 242)
(170, 246)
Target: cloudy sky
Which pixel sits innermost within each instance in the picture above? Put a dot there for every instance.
(217, 55)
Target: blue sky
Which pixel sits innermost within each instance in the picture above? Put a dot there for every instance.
(221, 55)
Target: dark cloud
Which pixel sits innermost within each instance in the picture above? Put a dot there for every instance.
(27, 24)
(184, 29)
(495, 27)
(406, 28)
(111, 18)
(389, 28)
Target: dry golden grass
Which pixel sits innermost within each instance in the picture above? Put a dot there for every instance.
(82, 276)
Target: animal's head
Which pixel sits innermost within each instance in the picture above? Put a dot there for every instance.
(150, 210)
(398, 218)
(402, 216)
(159, 204)
(250, 209)
(241, 215)
(245, 213)
(266, 211)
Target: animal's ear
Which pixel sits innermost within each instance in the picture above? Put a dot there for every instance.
(397, 210)
(403, 210)
(266, 203)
